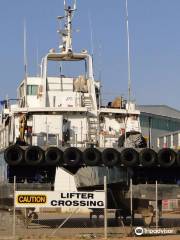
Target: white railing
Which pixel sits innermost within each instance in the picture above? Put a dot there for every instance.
(3, 139)
(45, 139)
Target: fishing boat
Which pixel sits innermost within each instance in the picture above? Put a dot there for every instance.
(58, 121)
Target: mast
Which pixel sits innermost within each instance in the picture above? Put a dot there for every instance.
(66, 34)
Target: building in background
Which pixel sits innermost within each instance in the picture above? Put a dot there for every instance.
(170, 140)
(158, 120)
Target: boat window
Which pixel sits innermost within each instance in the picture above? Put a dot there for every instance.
(68, 69)
(134, 117)
(32, 89)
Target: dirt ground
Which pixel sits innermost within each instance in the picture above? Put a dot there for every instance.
(79, 227)
(170, 237)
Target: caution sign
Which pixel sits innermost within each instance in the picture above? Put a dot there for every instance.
(30, 199)
(60, 199)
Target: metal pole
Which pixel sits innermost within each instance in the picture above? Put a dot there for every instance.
(149, 142)
(47, 134)
(76, 210)
(81, 134)
(57, 140)
(76, 139)
(129, 60)
(131, 202)
(156, 205)
(105, 208)
(14, 209)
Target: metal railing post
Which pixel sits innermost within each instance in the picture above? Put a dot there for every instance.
(76, 140)
(156, 206)
(131, 202)
(105, 208)
(14, 209)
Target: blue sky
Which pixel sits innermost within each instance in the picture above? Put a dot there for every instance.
(154, 42)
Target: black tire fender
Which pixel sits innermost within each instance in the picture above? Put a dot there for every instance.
(34, 155)
(92, 157)
(72, 156)
(14, 155)
(129, 157)
(53, 156)
(148, 157)
(110, 157)
(166, 157)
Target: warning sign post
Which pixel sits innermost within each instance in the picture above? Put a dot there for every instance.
(26, 199)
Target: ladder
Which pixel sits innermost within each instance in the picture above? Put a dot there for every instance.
(92, 129)
(87, 102)
(92, 121)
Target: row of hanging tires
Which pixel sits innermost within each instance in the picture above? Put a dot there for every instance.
(74, 157)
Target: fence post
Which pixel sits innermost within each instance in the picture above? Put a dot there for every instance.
(131, 202)
(105, 208)
(156, 205)
(14, 209)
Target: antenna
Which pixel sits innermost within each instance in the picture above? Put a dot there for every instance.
(37, 62)
(129, 70)
(75, 4)
(100, 62)
(25, 49)
(25, 62)
(64, 4)
(91, 32)
(129, 62)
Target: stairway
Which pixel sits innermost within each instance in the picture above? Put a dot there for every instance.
(92, 121)
(92, 130)
(87, 102)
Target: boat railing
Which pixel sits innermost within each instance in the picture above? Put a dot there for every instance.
(46, 139)
(3, 140)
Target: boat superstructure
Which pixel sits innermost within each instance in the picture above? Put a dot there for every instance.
(62, 109)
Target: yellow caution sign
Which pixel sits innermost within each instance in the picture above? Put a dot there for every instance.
(31, 199)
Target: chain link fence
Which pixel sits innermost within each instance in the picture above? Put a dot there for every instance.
(64, 221)
(71, 224)
(6, 207)
(51, 222)
(68, 222)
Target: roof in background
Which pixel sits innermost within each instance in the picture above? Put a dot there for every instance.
(161, 110)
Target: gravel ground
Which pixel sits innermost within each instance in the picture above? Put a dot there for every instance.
(123, 238)
(79, 227)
